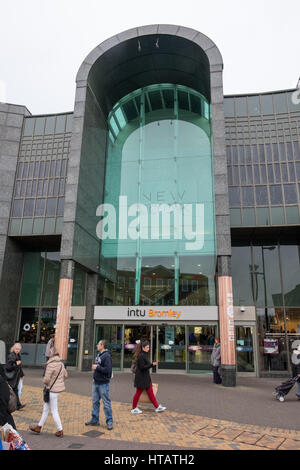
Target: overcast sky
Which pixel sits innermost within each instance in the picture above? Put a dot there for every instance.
(43, 42)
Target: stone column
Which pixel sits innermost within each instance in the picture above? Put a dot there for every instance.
(64, 308)
(88, 341)
(226, 321)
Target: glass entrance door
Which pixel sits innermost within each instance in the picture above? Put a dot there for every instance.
(133, 333)
(200, 346)
(73, 346)
(244, 349)
(171, 347)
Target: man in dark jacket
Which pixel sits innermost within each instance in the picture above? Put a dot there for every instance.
(5, 416)
(102, 375)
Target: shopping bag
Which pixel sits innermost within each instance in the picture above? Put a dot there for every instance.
(12, 438)
(144, 396)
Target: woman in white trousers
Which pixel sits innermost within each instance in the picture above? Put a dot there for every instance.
(54, 379)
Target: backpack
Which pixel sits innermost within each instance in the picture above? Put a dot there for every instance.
(12, 402)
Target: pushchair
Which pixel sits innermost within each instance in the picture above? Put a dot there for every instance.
(282, 390)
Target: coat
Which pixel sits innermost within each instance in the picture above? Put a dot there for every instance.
(103, 373)
(11, 365)
(54, 367)
(215, 358)
(5, 416)
(142, 375)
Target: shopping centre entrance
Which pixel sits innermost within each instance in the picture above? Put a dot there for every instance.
(184, 348)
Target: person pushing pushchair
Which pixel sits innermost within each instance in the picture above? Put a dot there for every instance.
(282, 390)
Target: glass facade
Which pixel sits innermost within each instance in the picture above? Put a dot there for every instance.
(38, 302)
(38, 201)
(158, 201)
(269, 279)
(263, 158)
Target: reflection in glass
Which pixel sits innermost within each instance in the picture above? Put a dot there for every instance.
(200, 346)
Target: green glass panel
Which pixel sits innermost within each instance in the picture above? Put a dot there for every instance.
(28, 126)
(27, 226)
(49, 225)
(15, 225)
(59, 225)
(241, 276)
(253, 105)
(51, 279)
(290, 265)
(69, 122)
(277, 215)
(293, 99)
(280, 103)
(248, 217)
(38, 226)
(263, 216)
(229, 107)
(292, 215)
(32, 279)
(60, 124)
(241, 106)
(266, 276)
(50, 123)
(78, 296)
(39, 126)
(235, 217)
(266, 104)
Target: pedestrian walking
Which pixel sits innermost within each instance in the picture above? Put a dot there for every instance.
(142, 380)
(5, 415)
(54, 380)
(216, 361)
(49, 346)
(14, 371)
(101, 386)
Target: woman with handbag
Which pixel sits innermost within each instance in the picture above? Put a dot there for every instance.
(54, 380)
(14, 372)
(142, 379)
(5, 415)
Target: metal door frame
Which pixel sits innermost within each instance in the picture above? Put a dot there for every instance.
(248, 324)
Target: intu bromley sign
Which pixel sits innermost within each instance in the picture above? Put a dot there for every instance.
(156, 313)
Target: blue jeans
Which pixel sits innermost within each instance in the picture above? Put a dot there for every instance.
(101, 392)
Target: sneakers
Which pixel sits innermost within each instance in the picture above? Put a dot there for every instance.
(92, 423)
(110, 426)
(136, 411)
(160, 408)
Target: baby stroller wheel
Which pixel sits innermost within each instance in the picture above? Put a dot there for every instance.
(281, 398)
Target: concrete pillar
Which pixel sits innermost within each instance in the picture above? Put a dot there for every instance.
(88, 341)
(226, 321)
(64, 308)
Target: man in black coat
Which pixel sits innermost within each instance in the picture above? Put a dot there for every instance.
(5, 416)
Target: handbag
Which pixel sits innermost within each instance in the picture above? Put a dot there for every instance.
(12, 402)
(144, 396)
(46, 390)
(133, 367)
(10, 374)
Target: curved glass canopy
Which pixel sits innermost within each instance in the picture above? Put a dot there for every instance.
(157, 222)
(162, 97)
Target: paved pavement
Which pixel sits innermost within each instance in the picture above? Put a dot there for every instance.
(200, 415)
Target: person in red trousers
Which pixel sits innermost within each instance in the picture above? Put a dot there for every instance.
(142, 379)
